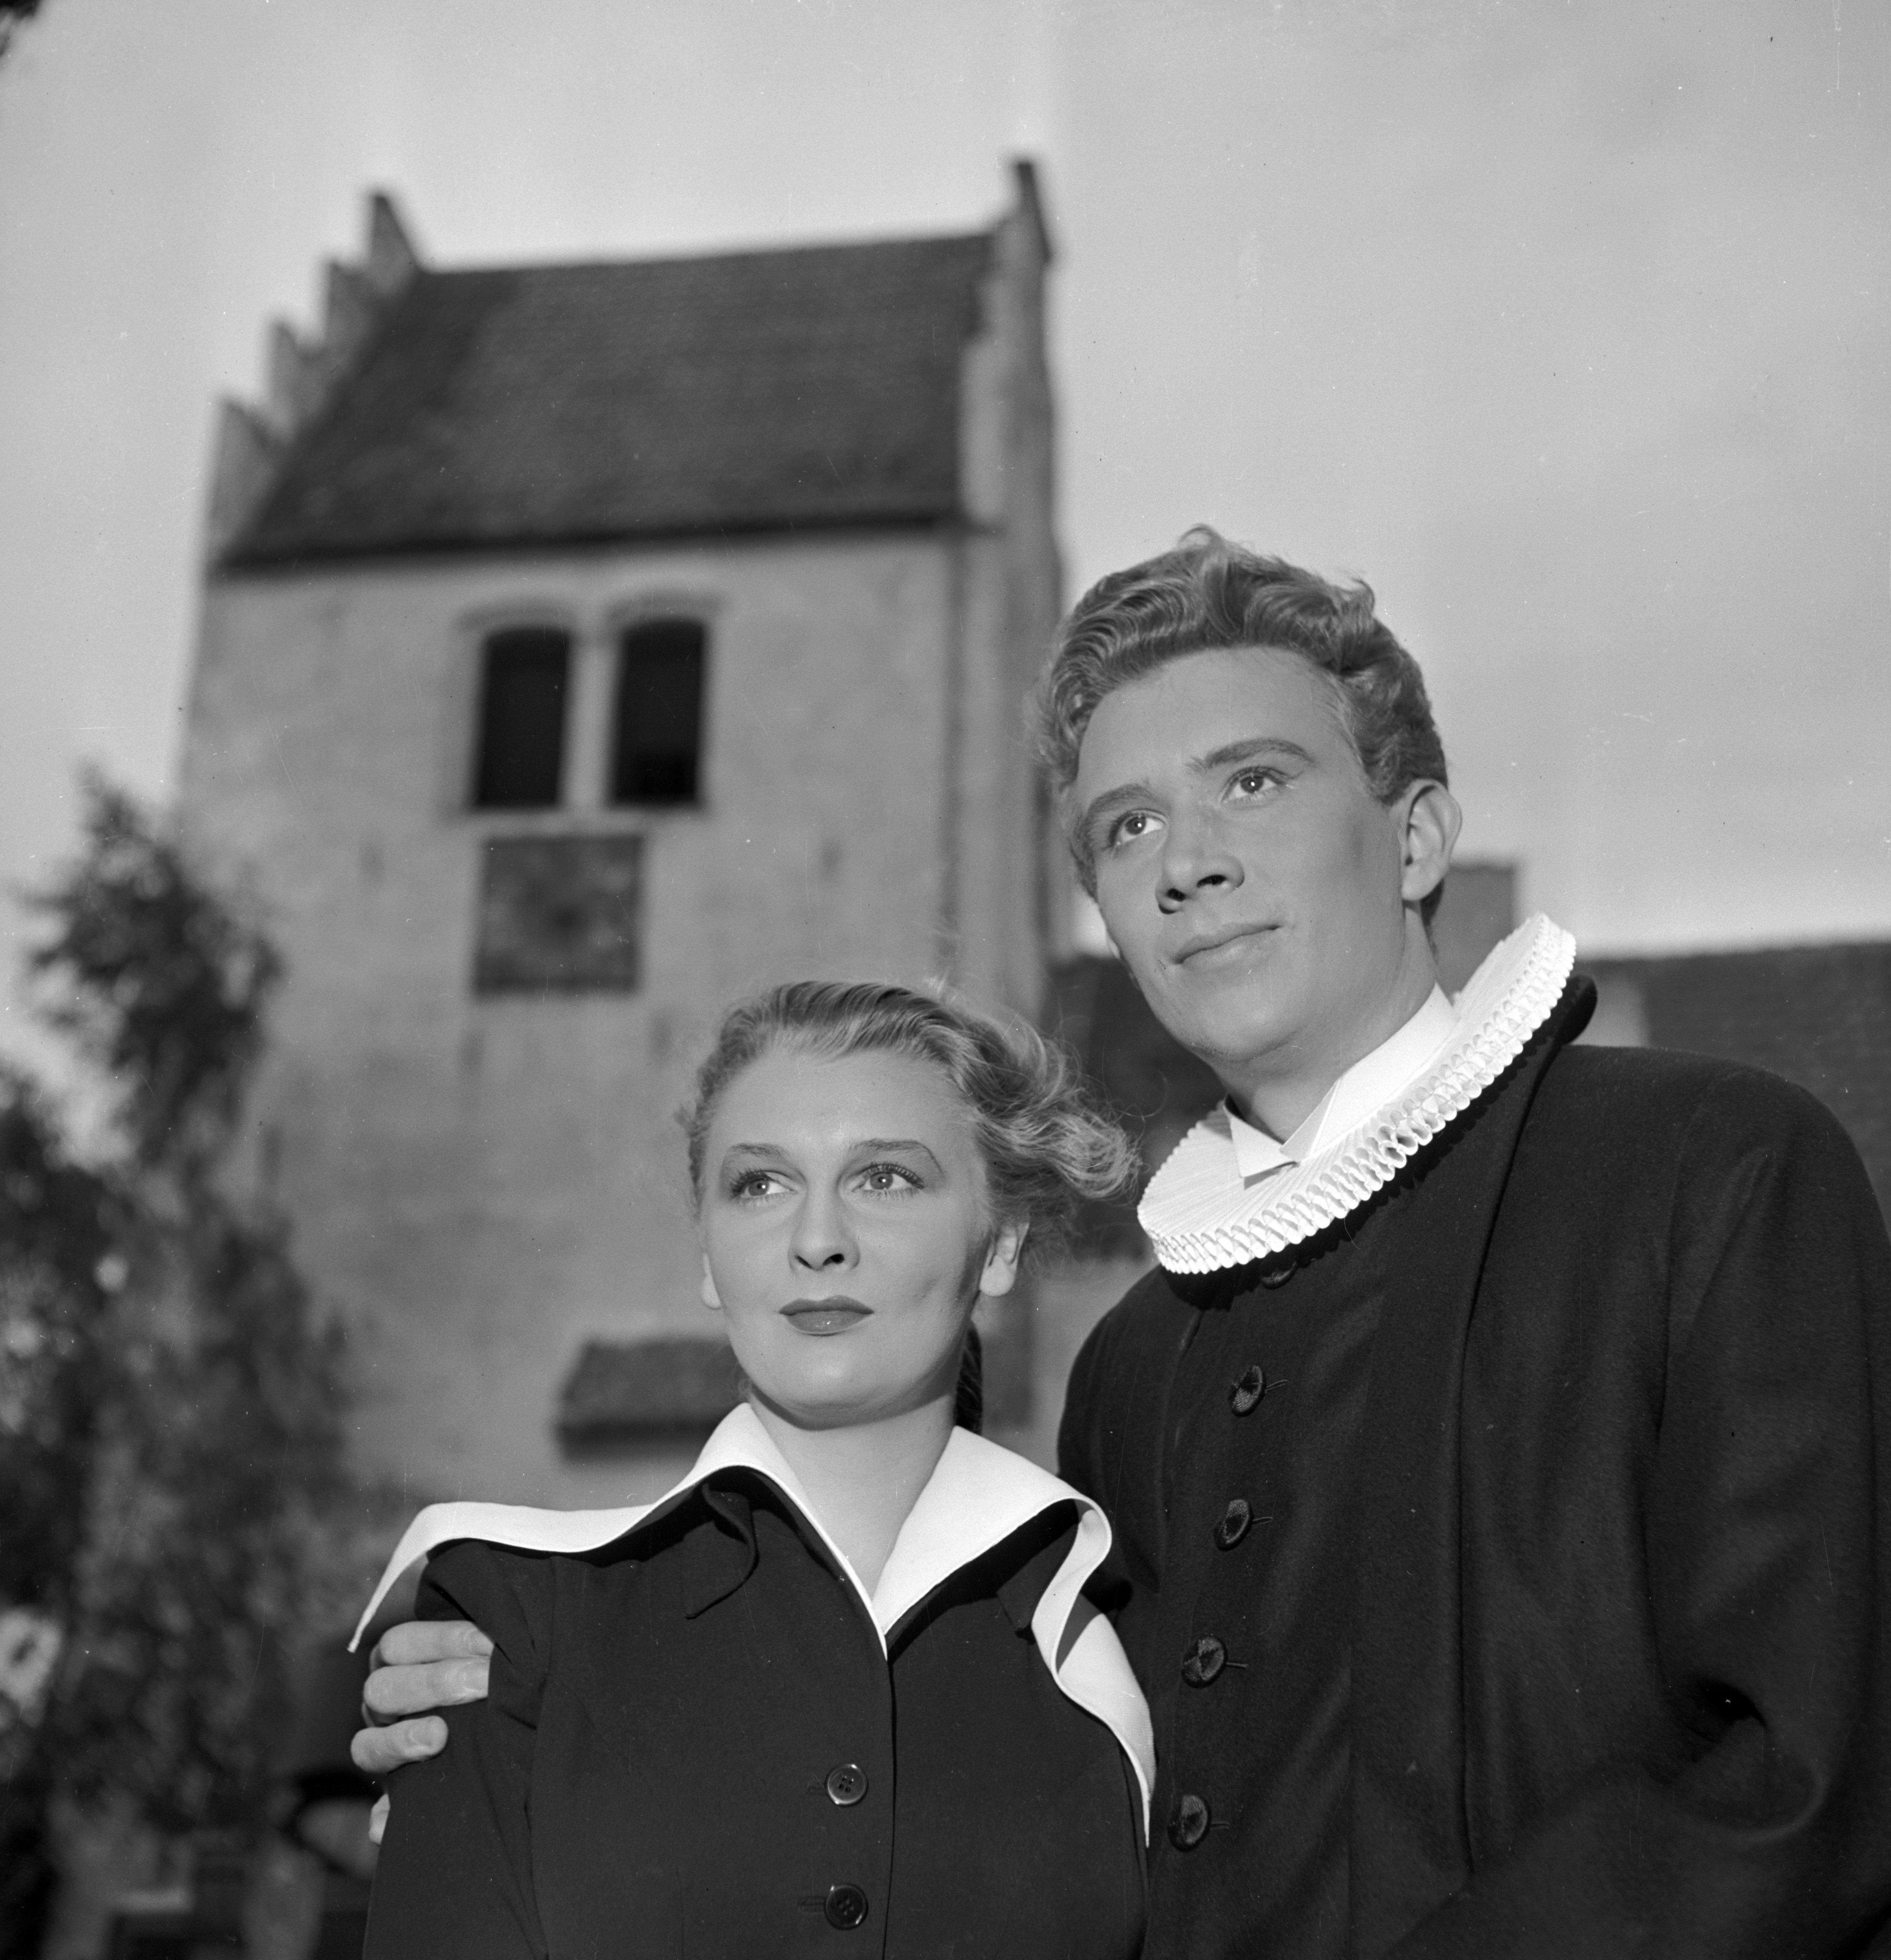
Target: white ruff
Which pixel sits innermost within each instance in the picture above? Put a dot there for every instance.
(1200, 1218)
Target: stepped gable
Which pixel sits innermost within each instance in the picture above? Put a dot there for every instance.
(554, 405)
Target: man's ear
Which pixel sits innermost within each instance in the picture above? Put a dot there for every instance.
(711, 1298)
(1429, 834)
(1007, 1248)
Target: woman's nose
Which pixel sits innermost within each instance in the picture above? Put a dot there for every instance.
(822, 1242)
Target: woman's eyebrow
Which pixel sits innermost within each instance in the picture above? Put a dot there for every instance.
(896, 1144)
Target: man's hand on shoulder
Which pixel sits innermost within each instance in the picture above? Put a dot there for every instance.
(417, 1667)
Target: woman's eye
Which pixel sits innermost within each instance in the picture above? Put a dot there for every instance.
(1253, 782)
(754, 1184)
(888, 1178)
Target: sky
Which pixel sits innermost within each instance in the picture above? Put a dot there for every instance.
(1567, 325)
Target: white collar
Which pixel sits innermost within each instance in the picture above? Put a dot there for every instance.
(1223, 1198)
(977, 1495)
(1372, 1081)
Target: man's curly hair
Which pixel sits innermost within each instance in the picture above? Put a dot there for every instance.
(1208, 593)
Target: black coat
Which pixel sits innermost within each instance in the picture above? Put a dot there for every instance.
(694, 1745)
(1615, 1655)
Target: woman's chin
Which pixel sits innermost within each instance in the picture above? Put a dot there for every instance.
(828, 1404)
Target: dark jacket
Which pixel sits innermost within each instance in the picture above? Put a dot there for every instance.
(1619, 1635)
(694, 1745)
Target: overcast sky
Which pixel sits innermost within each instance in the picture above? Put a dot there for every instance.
(1567, 325)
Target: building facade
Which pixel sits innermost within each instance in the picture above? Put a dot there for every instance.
(582, 647)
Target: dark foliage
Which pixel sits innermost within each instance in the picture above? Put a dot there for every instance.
(12, 12)
(169, 1428)
(161, 985)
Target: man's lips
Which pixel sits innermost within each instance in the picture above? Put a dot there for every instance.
(1203, 948)
(824, 1316)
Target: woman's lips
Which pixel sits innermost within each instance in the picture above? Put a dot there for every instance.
(824, 1316)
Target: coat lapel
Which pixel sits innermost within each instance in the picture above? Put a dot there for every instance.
(1409, 1843)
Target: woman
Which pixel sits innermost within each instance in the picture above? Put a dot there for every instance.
(840, 1683)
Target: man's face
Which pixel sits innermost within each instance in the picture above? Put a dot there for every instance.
(1248, 875)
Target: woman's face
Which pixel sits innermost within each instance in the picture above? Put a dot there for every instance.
(846, 1234)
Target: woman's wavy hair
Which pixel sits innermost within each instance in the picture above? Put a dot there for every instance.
(1046, 1145)
(1208, 593)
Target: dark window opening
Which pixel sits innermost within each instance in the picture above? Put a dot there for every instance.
(656, 752)
(520, 764)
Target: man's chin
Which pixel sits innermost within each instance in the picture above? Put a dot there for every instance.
(1225, 1026)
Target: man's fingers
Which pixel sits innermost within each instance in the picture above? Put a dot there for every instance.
(377, 1820)
(377, 1752)
(391, 1692)
(414, 1640)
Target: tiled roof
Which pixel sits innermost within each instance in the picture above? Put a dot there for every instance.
(1819, 1015)
(557, 404)
(620, 1392)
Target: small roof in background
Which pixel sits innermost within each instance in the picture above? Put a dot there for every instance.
(1820, 1016)
(562, 404)
(621, 1392)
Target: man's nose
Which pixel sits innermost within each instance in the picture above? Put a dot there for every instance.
(1196, 857)
(822, 1241)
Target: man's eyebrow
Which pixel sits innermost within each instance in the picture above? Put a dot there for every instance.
(1128, 795)
(1246, 750)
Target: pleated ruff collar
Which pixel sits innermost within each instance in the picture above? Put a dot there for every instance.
(1202, 1215)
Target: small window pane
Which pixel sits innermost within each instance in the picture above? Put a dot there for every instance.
(520, 760)
(657, 755)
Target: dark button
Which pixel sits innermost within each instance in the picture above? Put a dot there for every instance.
(1278, 1276)
(846, 1907)
(1203, 1661)
(1188, 1823)
(1245, 1394)
(1228, 1533)
(847, 1783)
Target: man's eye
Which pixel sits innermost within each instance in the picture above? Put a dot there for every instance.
(1130, 827)
(1253, 782)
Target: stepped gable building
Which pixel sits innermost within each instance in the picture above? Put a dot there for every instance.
(580, 646)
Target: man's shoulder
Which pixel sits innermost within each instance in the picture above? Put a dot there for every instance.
(1589, 1086)
(1630, 1127)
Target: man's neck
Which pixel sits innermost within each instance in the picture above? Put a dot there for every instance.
(1277, 1093)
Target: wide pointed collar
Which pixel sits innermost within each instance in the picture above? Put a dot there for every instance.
(978, 1494)
(1220, 1200)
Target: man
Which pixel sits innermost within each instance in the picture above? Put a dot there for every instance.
(1498, 1456)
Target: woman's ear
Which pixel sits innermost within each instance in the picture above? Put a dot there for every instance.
(711, 1298)
(1000, 1273)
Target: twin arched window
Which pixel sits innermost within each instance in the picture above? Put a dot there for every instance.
(524, 732)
